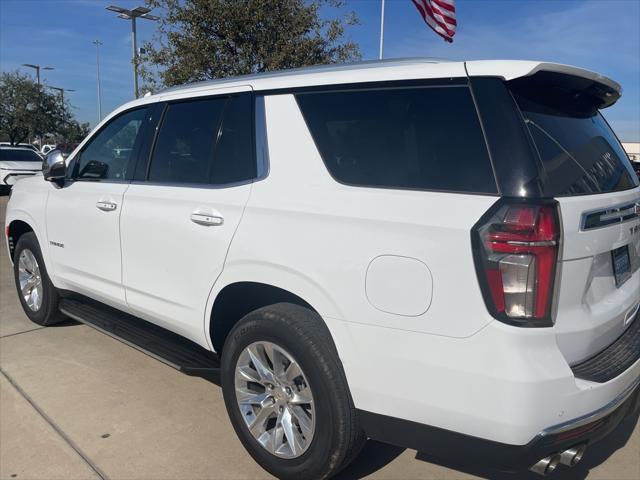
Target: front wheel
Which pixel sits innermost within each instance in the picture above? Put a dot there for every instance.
(38, 296)
(286, 393)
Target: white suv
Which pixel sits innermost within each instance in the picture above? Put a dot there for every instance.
(439, 255)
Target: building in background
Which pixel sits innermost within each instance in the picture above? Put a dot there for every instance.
(633, 150)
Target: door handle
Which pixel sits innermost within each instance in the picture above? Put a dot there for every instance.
(106, 206)
(207, 219)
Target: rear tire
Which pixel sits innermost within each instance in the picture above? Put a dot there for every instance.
(38, 296)
(317, 405)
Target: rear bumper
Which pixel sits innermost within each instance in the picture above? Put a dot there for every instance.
(503, 384)
(615, 359)
(447, 444)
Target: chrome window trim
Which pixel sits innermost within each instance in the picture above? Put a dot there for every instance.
(209, 186)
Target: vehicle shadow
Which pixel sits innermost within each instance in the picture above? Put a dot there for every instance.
(68, 322)
(376, 455)
(373, 457)
(213, 377)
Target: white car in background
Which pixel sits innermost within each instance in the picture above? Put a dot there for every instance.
(47, 148)
(21, 145)
(17, 163)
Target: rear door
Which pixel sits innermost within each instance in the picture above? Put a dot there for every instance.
(585, 168)
(179, 217)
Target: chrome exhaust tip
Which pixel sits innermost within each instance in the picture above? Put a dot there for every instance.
(546, 465)
(573, 455)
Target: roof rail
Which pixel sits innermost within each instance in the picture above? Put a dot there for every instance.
(333, 67)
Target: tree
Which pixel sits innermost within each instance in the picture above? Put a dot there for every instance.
(28, 110)
(207, 39)
(72, 131)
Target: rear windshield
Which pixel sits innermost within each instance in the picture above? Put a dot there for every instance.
(425, 138)
(19, 155)
(579, 152)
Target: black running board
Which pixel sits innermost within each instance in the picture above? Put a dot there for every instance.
(155, 341)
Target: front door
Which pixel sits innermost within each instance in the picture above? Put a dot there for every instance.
(83, 217)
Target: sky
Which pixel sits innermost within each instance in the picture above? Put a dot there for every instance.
(600, 35)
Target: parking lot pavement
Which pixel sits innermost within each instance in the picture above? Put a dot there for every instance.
(76, 404)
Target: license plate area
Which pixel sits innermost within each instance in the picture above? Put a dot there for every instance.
(621, 261)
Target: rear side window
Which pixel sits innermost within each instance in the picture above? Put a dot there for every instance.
(207, 141)
(406, 138)
(580, 154)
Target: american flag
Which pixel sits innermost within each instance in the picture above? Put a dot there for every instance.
(440, 15)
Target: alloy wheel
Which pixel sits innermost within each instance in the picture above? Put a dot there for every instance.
(30, 280)
(275, 399)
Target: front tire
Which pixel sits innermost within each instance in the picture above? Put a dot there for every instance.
(286, 393)
(38, 296)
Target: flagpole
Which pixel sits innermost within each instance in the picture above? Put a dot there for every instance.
(381, 29)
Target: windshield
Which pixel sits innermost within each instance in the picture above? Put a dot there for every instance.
(579, 152)
(19, 155)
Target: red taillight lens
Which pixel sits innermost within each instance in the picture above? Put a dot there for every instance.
(516, 252)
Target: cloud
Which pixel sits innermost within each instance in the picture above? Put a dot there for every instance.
(58, 32)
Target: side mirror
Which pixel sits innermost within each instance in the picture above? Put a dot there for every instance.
(54, 167)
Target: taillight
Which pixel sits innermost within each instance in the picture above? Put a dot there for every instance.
(516, 251)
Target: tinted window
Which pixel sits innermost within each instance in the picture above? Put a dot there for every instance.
(233, 159)
(109, 154)
(19, 155)
(205, 141)
(415, 138)
(579, 152)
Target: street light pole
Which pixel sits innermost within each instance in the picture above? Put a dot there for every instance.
(97, 43)
(37, 68)
(134, 55)
(64, 109)
(61, 90)
(126, 14)
(381, 30)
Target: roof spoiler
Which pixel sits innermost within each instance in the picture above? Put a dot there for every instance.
(602, 90)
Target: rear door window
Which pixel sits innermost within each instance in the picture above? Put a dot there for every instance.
(580, 154)
(205, 141)
(425, 138)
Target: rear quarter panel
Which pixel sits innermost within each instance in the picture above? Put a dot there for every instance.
(318, 237)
